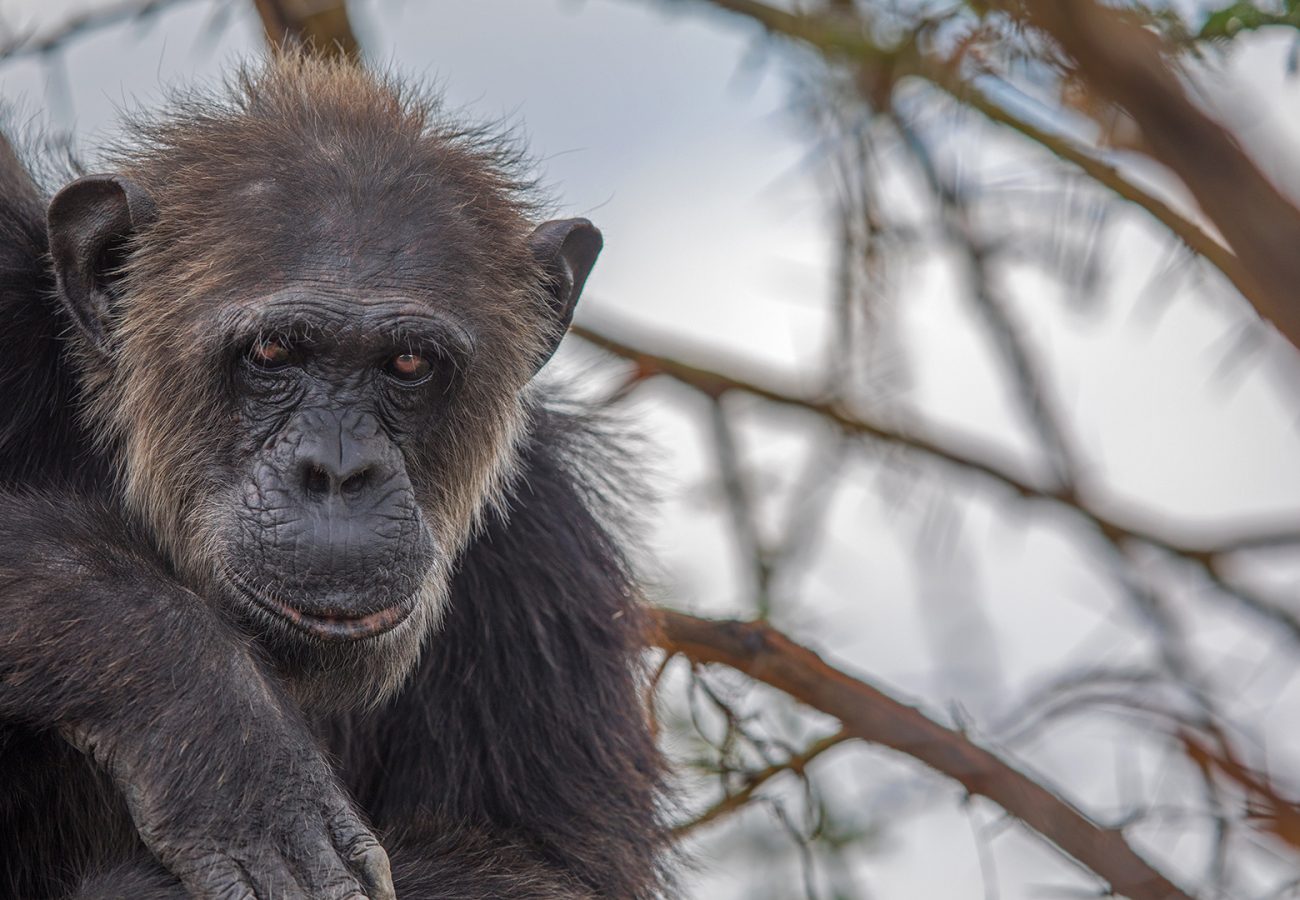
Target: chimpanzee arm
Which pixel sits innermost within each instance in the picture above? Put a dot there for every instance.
(223, 781)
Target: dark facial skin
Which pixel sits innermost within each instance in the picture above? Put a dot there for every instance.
(328, 535)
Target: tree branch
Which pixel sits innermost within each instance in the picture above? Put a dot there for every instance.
(1122, 62)
(321, 25)
(1107, 175)
(971, 455)
(82, 24)
(832, 37)
(763, 653)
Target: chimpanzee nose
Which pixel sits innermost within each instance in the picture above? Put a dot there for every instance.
(345, 460)
(321, 479)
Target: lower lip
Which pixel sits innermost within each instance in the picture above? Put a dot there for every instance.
(331, 627)
(343, 628)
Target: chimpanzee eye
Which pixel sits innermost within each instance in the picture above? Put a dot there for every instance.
(270, 353)
(408, 367)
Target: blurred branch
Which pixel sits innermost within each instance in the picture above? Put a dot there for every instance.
(714, 384)
(763, 653)
(322, 25)
(744, 517)
(1122, 62)
(966, 454)
(1029, 382)
(1274, 813)
(1264, 265)
(1196, 238)
(962, 452)
(82, 24)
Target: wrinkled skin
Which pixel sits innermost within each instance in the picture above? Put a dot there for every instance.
(326, 511)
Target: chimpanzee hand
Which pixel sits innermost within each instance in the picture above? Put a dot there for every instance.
(233, 796)
(300, 839)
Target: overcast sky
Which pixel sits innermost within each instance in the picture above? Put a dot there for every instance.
(670, 132)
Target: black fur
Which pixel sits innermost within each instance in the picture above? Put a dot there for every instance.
(39, 439)
(517, 761)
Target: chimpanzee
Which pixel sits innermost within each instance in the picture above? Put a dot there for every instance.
(300, 568)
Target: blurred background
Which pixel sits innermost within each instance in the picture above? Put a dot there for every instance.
(941, 326)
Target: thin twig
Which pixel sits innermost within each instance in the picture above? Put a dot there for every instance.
(734, 801)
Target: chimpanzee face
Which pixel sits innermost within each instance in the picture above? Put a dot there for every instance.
(326, 531)
(311, 425)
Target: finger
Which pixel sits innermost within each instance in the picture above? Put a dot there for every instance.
(321, 867)
(217, 878)
(332, 881)
(365, 856)
(273, 880)
(371, 863)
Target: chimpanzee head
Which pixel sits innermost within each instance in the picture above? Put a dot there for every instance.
(307, 312)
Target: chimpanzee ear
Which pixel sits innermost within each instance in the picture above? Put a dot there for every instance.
(566, 249)
(90, 223)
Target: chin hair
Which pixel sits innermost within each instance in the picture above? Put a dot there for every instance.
(334, 676)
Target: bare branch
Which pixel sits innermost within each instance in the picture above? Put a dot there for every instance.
(82, 24)
(973, 456)
(763, 653)
(1196, 238)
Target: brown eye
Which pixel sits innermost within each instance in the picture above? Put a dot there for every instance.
(408, 367)
(270, 353)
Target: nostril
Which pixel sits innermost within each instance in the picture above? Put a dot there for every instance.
(316, 482)
(353, 484)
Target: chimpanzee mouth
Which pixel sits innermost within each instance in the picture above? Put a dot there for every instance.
(331, 625)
